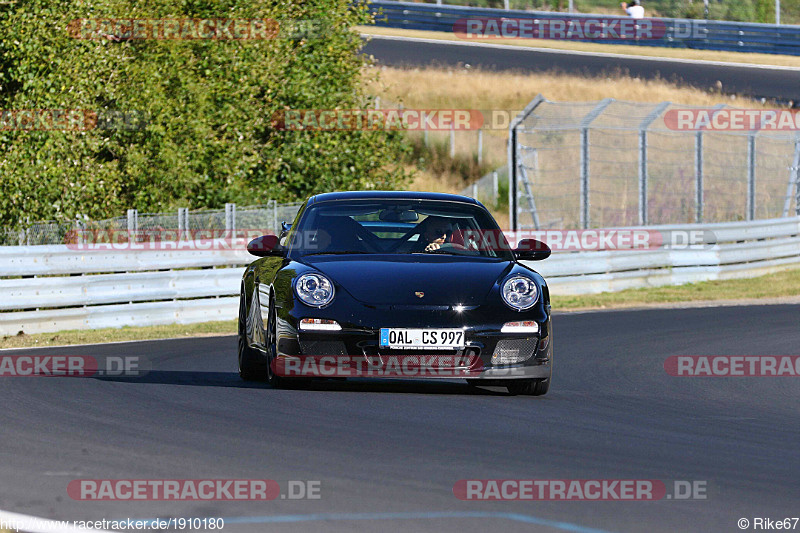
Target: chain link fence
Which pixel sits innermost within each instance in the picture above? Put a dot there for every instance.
(491, 190)
(259, 217)
(614, 163)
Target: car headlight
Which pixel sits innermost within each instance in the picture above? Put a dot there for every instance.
(314, 289)
(519, 293)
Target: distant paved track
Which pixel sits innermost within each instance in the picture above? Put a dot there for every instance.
(388, 453)
(781, 83)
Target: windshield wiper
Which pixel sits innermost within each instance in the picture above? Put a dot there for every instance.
(339, 252)
(440, 251)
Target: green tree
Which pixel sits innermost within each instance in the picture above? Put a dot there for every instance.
(208, 137)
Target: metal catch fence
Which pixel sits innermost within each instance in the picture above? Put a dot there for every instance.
(614, 163)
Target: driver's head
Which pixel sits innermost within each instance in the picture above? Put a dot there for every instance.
(436, 229)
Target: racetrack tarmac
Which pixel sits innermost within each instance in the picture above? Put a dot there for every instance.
(388, 453)
(779, 83)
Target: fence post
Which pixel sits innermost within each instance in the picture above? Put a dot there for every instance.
(80, 227)
(513, 162)
(584, 202)
(585, 123)
(698, 168)
(512, 177)
(698, 176)
(133, 222)
(275, 227)
(751, 176)
(495, 188)
(183, 222)
(797, 176)
(480, 146)
(794, 181)
(452, 141)
(643, 175)
(424, 129)
(230, 218)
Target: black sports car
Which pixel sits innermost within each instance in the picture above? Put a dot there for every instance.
(395, 284)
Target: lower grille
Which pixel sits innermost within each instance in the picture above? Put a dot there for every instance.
(510, 351)
(323, 348)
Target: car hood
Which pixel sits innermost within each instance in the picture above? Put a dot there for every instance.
(396, 280)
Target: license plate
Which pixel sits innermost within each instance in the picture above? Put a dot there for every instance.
(436, 339)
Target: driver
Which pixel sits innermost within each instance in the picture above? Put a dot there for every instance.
(435, 232)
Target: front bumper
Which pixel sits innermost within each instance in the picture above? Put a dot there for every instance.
(355, 350)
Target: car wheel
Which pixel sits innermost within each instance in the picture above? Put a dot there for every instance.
(274, 380)
(532, 387)
(251, 364)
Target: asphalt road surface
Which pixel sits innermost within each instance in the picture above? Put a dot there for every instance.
(388, 453)
(780, 83)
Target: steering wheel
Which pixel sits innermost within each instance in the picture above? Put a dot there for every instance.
(452, 246)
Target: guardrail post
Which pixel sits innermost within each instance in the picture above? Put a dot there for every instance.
(495, 188)
(751, 176)
(475, 190)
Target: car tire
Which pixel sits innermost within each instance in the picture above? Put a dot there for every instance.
(251, 363)
(530, 387)
(275, 381)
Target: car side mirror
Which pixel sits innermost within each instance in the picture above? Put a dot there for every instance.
(266, 245)
(532, 250)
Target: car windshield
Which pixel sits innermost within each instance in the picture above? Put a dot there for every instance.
(397, 227)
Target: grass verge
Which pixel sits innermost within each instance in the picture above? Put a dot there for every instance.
(670, 53)
(772, 286)
(751, 291)
(92, 336)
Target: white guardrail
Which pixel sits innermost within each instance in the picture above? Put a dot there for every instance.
(55, 287)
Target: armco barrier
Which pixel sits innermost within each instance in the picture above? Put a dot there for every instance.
(96, 289)
(678, 33)
(739, 250)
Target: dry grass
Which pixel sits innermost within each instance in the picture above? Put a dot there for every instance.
(432, 88)
(477, 89)
(673, 53)
(781, 285)
(92, 336)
